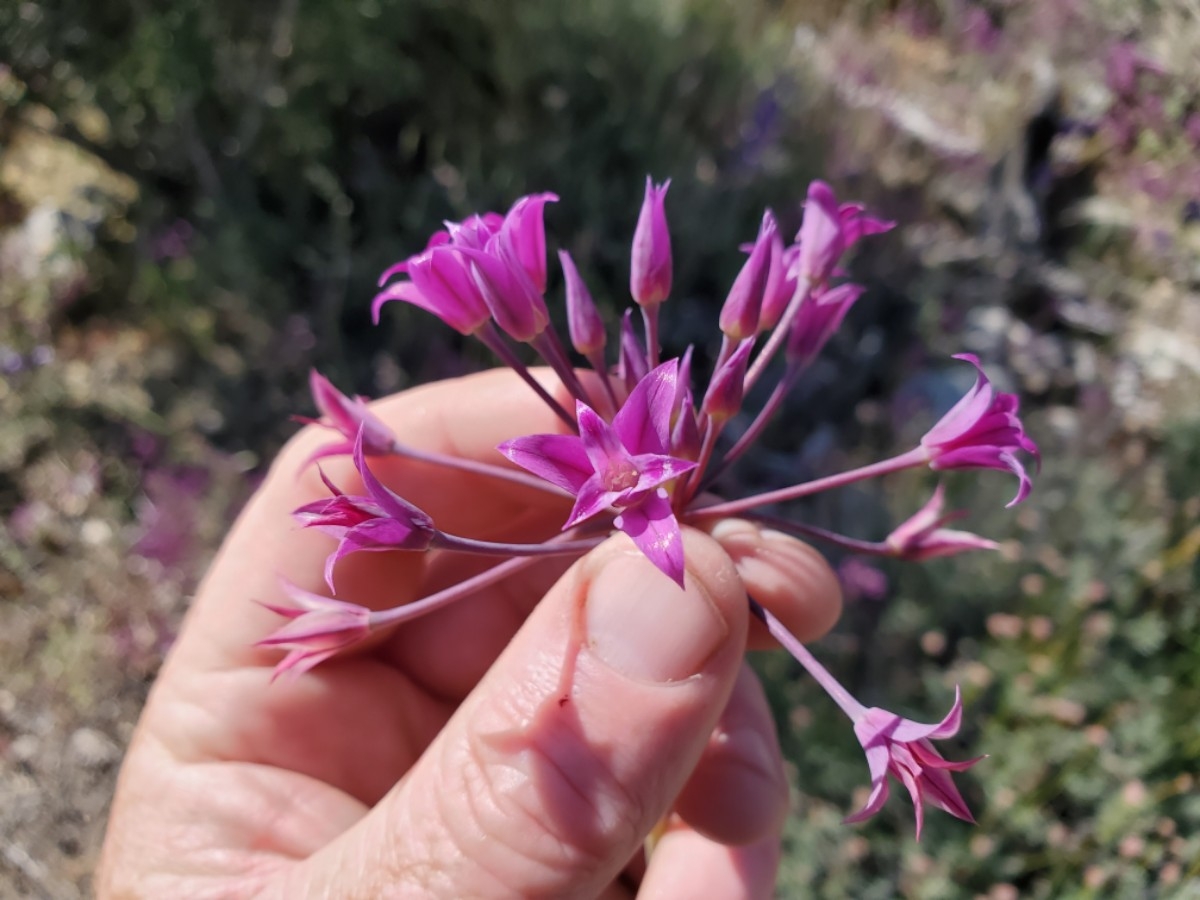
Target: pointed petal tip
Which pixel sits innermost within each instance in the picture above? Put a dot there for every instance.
(330, 562)
(394, 269)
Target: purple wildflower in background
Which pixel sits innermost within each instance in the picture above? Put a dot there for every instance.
(861, 580)
(643, 442)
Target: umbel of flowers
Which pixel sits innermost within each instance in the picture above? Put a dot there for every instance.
(643, 441)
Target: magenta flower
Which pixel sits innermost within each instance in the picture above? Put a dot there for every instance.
(820, 237)
(631, 363)
(781, 283)
(623, 466)
(828, 230)
(472, 232)
(349, 416)
(901, 748)
(511, 296)
(380, 521)
(650, 268)
(819, 317)
(439, 282)
(922, 536)
(524, 235)
(320, 627)
(483, 267)
(583, 319)
(981, 431)
(741, 314)
(651, 463)
(509, 269)
(723, 399)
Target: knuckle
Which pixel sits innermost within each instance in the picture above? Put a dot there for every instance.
(546, 798)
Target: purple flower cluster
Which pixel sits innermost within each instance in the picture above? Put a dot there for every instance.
(643, 444)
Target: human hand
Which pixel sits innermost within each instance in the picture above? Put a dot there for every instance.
(445, 759)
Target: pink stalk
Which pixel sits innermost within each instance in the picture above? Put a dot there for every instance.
(868, 548)
(709, 441)
(823, 676)
(764, 416)
(551, 349)
(650, 317)
(477, 468)
(776, 340)
(600, 366)
(399, 614)
(444, 541)
(911, 459)
(494, 342)
(693, 482)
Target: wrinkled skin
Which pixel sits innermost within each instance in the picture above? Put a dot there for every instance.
(504, 746)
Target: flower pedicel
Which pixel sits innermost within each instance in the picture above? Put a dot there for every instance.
(641, 454)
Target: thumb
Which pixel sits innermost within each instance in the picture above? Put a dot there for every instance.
(576, 742)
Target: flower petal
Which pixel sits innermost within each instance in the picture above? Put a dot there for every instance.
(644, 420)
(391, 503)
(880, 791)
(557, 458)
(524, 231)
(600, 441)
(653, 527)
(655, 470)
(584, 323)
(631, 361)
(650, 264)
(373, 536)
(877, 761)
(820, 237)
(593, 498)
(905, 730)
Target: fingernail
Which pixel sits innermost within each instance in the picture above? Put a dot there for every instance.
(646, 627)
(733, 528)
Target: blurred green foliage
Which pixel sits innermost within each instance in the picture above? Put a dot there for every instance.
(311, 144)
(1082, 688)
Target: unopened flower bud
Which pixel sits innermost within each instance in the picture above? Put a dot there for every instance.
(632, 366)
(650, 267)
(922, 536)
(723, 398)
(583, 319)
(740, 315)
